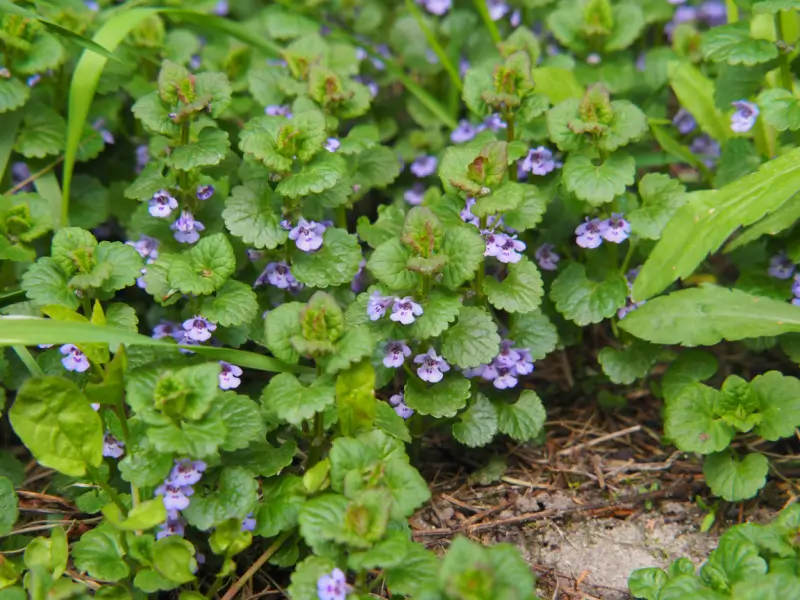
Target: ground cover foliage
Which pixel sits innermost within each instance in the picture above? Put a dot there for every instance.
(253, 251)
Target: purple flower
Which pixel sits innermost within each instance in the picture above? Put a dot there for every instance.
(358, 281)
(508, 355)
(505, 377)
(307, 235)
(221, 9)
(714, 13)
(332, 144)
(745, 116)
(229, 376)
(167, 329)
(516, 18)
(707, 147)
(361, 54)
(398, 401)
(99, 126)
(147, 247)
(162, 204)
(187, 472)
(494, 122)
(616, 229)
(684, 122)
(494, 242)
(432, 366)
(464, 132)
(436, 7)
(198, 329)
(254, 255)
(405, 310)
(249, 523)
(112, 447)
(170, 527)
(630, 306)
(524, 366)
(415, 195)
(396, 353)
(204, 192)
(21, 172)
(466, 213)
(195, 62)
(92, 5)
(463, 66)
(277, 274)
(424, 166)
(593, 59)
(796, 286)
(333, 586)
(539, 161)
(590, 233)
(186, 228)
(503, 247)
(174, 496)
(278, 110)
(377, 306)
(33, 80)
(142, 157)
(497, 9)
(796, 301)
(781, 266)
(546, 258)
(74, 359)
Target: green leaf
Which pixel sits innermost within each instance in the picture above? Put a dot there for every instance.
(520, 292)
(690, 367)
(584, 300)
(321, 519)
(124, 261)
(31, 331)
(55, 421)
(628, 124)
(439, 310)
(12, 468)
(691, 421)
(710, 217)
(235, 303)
(355, 399)
(173, 558)
(735, 480)
(417, 571)
(45, 283)
(627, 365)
(703, 316)
(464, 249)
(647, 583)
(477, 425)
(13, 94)
(376, 168)
(772, 586)
(503, 199)
(280, 326)
(739, 158)
(9, 506)
(522, 420)
(210, 148)
(388, 225)
(234, 498)
(443, 399)
(598, 184)
(732, 44)
(388, 421)
(306, 575)
(535, 332)
(661, 197)
(335, 263)
(205, 267)
(531, 209)
(289, 400)
(779, 405)
(695, 93)
(388, 264)
(324, 171)
(253, 216)
(264, 459)
(146, 515)
(473, 340)
(42, 133)
(780, 108)
(734, 82)
(100, 552)
(281, 501)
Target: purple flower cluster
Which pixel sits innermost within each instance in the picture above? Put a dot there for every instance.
(466, 213)
(466, 131)
(404, 310)
(333, 586)
(278, 110)
(187, 229)
(198, 329)
(712, 13)
(332, 144)
(307, 235)
(162, 204)
(229, 376)
(744, 118)
(781, 266)
(74, 359)
(505, 248)
(539, 161)
(546, 258)
(630, 305)
(591, 233)
(424, 165)
(505, 369)
(176, 492)
(280, 275)
(398, 402)
(396, 353)
(147, 248)
(112, 447)
(707, 148)
(432, 367)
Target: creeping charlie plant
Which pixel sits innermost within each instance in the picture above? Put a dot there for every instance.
(253, 252)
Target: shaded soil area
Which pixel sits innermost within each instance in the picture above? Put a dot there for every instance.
(600, 497)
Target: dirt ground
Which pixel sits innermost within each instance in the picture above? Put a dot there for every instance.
(600, 497)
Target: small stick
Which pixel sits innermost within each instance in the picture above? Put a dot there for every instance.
(601, 439)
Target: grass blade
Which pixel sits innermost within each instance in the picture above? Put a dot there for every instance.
(9, 124)
(435, 45)
(483, 11)
(47, 186)
(30, 331)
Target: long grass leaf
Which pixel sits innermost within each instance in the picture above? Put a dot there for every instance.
(31, 331)
(84, 85)
(9, 124)
(483, 11)
(47, 186)
(435, 45)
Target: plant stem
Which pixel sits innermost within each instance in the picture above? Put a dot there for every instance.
(112, 493)
(341, 217)
(183, 176)
(214, 587)
(512, 171)
(483, 10)
(317, 440)
(34, 177)
(481, 271)
(628, 256)
(733, 11)
(239, 584)
(783, 57)
(444, 59)
(28, 360)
